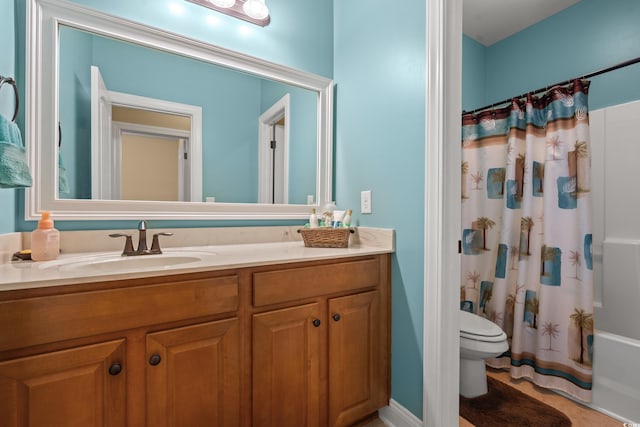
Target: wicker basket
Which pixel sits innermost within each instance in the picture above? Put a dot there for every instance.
(325, 237)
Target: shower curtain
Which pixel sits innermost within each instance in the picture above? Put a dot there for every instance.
(526, 234)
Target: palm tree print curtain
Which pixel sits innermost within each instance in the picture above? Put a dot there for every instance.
(526, 219)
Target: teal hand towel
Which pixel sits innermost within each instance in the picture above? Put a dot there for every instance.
(14, 171)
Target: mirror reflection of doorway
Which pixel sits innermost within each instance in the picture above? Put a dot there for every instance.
(160, 175)
(277, 162)
(143, 148)
(152, 155)
(273, 154)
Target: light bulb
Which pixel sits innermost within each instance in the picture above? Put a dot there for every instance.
(223, 3)
(256, 9)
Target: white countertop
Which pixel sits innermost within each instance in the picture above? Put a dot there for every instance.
(27, 274)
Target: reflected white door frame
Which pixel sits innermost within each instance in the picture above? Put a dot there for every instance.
(102, 183)
(266, 173)
(183, 157)
(105, 153)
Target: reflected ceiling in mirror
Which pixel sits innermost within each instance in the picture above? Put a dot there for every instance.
(239, 97)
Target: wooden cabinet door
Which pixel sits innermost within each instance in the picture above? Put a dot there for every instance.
(78, 387)
(193, 376)
(286, 375)
(356, 374)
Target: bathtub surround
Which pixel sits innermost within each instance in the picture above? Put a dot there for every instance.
(527, 259)
(616, 243)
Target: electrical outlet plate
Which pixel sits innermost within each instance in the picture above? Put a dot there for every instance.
(365, 202)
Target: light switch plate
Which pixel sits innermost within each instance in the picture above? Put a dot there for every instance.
(365, 202)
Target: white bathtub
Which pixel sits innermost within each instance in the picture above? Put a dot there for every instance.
(616, 260)
(616, 345)
(616, 376)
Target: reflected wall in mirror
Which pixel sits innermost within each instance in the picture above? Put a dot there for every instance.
(236, 105)
(231, 103)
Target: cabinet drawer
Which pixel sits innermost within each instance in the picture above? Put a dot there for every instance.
(279, 286)
(41, 320)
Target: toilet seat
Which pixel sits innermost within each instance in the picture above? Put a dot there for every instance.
(478, 328)
(480, 339)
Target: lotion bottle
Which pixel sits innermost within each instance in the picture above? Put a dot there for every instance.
(45, 240)
(313, 219)
(347, 219)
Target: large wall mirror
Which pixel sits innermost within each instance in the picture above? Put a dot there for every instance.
(126, 121)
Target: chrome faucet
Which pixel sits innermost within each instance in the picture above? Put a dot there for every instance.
(142, 238)
(142, 241)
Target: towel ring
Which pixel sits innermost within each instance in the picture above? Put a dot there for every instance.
(12, 82)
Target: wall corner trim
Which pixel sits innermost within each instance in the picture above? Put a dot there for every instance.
(396, 415)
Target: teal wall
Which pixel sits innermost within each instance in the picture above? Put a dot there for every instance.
(7, 103)
(380, 133)
(75, 111)
(473, 74)
(589, 36)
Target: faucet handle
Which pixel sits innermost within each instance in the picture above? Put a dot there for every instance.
(155, 244)
(128, 244)
(142, 225)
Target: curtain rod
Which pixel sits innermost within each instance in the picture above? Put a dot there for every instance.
(586, 76)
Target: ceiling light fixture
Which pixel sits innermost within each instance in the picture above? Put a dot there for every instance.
(254, 11)
(223, 3)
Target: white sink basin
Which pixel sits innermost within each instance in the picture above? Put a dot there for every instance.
(116, 263)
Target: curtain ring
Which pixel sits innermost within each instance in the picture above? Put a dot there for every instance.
(12, 82)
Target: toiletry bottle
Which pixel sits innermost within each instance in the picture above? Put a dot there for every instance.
(45, 240)
(346, 221)
(338, 217)
(327, 213)
(313, 219)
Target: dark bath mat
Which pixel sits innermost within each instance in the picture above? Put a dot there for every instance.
(505, 406)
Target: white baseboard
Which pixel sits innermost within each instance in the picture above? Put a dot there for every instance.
(396, 415)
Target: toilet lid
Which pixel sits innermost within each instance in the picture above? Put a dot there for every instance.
(478, 328)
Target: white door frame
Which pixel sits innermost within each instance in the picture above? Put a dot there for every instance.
(114, 165)
(101, 181)
(277, 111)
(101, 142)
(441, 342)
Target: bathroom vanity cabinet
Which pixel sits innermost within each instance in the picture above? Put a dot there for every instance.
(299, 344)
(128, 353)
(324, 355)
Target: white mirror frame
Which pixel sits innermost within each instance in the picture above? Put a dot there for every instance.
(44, 19)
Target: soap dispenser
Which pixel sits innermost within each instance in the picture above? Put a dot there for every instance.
(45, 240)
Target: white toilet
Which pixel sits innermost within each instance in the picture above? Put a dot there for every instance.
(480, 339)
